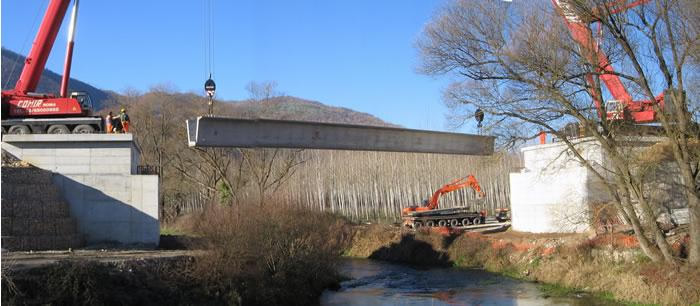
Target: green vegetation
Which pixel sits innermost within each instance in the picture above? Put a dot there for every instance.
(172, 231)
(553, 290)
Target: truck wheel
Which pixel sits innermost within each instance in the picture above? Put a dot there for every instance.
(430, 223)
(84, 129)
(417, 225)
(58, 129)
(454, 223)
(465, 222)
(19, 129)
(477, 220)
(442, 223)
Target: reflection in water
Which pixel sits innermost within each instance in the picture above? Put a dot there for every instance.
(380, 283)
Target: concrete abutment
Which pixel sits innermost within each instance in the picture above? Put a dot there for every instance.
(96, 176)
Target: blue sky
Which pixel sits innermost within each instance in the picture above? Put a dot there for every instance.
(355, 54)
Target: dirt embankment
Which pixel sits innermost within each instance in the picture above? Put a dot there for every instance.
(611, 265)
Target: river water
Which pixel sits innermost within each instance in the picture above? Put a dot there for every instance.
(381, 283)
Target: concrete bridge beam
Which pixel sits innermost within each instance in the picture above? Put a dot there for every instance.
(266, 133)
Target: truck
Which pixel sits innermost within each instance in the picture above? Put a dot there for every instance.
(429, 215)
(26, 112)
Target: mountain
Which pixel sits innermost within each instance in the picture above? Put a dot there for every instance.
(50, 82)
(293, 108)
(284, 107)
(188, 105)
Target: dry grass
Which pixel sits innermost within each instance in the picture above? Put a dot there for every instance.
(137, 282)
(368, 239)
(9, 288)
(662, 152)
(271, 255)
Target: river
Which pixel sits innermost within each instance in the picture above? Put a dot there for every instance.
(381, 283)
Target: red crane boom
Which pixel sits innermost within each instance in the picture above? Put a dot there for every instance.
(24, 111)
(41, 48)
(623, 107)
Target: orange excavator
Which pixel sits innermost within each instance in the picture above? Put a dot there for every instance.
(429, 214)
(468, 181)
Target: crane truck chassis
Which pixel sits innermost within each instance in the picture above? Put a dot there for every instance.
(77, 125)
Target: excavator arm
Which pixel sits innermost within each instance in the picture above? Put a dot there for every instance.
(468, 181)
(432, 203)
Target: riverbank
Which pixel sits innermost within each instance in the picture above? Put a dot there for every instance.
(250, 255)
(290, 256)
(610, 266)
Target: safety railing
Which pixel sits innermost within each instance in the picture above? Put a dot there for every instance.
(147, 170)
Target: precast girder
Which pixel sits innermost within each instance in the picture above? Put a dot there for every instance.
(267, 133)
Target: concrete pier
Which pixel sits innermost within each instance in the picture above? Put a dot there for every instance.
(96, 174)
(553, 193)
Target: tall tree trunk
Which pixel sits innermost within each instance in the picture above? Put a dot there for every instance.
(650, 250)
(694, 245)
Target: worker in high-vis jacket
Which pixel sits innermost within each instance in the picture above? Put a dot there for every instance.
(108, 123)
(124, 118)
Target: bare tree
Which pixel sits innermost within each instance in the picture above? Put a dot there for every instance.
(154, 126)
(157, 118)
(263, 91)
(518, 63)
(220, 171)
(269, 168)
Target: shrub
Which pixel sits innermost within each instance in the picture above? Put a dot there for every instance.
(271, 255)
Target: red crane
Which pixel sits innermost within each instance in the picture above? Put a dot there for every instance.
(23, 110)
(622, 107)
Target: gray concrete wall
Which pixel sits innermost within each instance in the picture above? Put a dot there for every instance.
(75, 154)
(96, 174)
(113, 207)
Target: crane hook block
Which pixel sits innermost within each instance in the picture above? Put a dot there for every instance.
(479, 116)
(210, 87)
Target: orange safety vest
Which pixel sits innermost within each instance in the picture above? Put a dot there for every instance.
(108, 124)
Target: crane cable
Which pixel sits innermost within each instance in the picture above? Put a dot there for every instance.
(209, 85)
(208, 37)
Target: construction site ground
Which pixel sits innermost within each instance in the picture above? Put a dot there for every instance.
(28, 260)
(172, 246)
